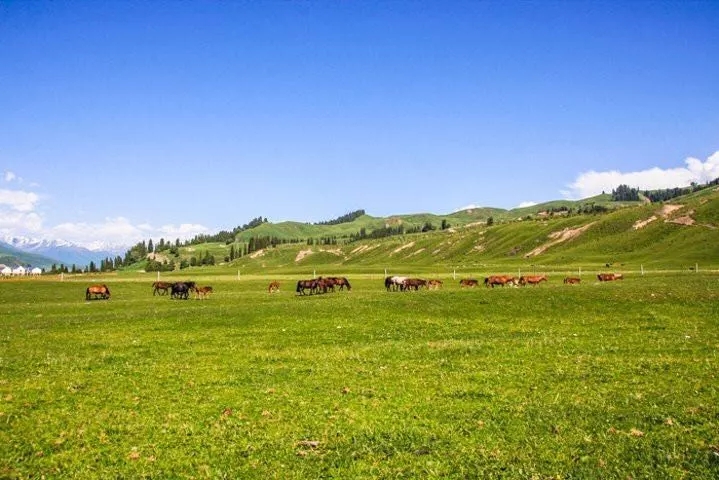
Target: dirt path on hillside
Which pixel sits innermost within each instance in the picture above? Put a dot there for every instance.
(402, 247)
(302, 254)
(559, 237)
(639, 224)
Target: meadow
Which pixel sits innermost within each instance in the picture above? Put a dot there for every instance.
(599, 380)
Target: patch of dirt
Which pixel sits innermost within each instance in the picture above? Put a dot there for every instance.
(559, 237)
(474, 224)
(302, 254)
(392, 222)
(363, 249)
(683, 220)
(478, 248)
(258, 253)
(668, 209)
(158, 257)
(436, 251)
(416, 252)
(400, 248)
(643, 223)
(334, 251)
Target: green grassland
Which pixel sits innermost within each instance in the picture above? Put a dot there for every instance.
(599, 380)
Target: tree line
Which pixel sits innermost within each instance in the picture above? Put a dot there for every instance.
(349, 217)
(625, 193)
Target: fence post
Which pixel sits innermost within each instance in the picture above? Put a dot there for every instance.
(642, 269)
(454, 274)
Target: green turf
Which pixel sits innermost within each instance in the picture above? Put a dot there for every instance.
(615, 380)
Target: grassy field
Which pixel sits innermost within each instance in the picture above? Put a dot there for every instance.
(615, 380)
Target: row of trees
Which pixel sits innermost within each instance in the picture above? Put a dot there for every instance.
(625, 193)
(349, 217)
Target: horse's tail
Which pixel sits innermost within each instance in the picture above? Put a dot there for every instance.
(486, 281)
(87, 293)
(347, 282)
(107, 290)
(299, 288)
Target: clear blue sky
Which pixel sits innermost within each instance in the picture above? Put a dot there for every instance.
(136, 116)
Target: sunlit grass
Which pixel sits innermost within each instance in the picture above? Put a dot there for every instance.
(591, 381)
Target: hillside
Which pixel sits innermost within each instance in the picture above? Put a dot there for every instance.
(302, 231)
(12, 256)
(677, 235)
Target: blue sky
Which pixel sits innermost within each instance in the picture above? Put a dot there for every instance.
(121, 121)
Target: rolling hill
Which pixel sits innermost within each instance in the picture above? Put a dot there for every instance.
(12, 256)
(628, 236)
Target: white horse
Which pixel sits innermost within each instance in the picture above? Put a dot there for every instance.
(394, 283)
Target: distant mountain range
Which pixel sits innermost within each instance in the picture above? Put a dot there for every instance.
(44, 253)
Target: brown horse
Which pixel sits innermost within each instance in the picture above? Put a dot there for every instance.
(608, 277)
(468, 282)
(415, 283)
(311, 285)
(202, 292)
(342, 282)
(532, 279)
(95, 292)
(160, 288)
(434, 284)
(502, 280)
(325, 284)
(572, 280)
(274, 287)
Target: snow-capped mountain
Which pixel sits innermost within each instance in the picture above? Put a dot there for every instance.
(65, 252)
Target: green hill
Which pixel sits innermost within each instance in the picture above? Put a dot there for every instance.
(675, 235)
(12, 256)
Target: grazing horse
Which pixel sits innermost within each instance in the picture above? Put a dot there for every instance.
(311, 285)
(181, 290)
(469, 283)
(342, 282)
(160, 288)
(95, 292)
(325, 284)
(202, 292)
(274, 287)
(434, 284)
(608, 277)
(572, 280)
(394, 283)
(415, 283)
(532, 279)
(502, 280)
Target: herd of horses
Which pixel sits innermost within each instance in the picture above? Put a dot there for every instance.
(319, 285)
(181, 290)
(402, 284)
